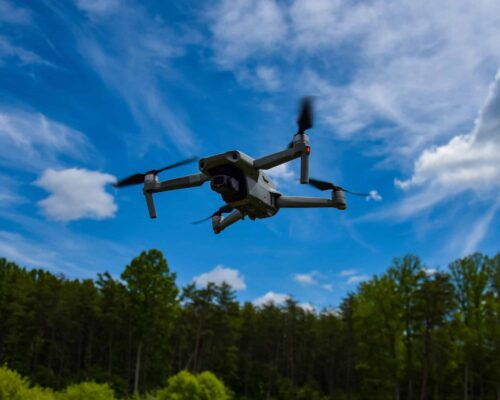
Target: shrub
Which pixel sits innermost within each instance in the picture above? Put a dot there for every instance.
(182, 386)
(11, 384)
(87, 391)
(211, 387)
(14, 387)
(37, 393)
(186, 386)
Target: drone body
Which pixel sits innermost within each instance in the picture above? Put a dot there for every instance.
(242, 182)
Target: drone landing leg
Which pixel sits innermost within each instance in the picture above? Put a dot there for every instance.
(151, 186)
(220, 223)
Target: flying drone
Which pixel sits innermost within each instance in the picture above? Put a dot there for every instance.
(241, 181)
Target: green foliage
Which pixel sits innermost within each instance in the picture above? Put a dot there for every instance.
(11, 384)
(14, 387)
(37, 393)
(182, 386)
(406, 333)
(211, 387)
(186, 386)
(87, 391)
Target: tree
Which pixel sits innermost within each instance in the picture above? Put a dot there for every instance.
(435, 305)
(153, 308)
(471, 277)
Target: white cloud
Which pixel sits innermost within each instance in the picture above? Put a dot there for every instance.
(421, 74)
(348, 272)
(307, 279)
(269, 77)
(281, 173)
(327, 286)
(271, 298)
(97, 7)
(307, 307)
(244, 28)
(374, 195)
(222, 274)
(466, 163)
(75, 194)
(430, 271)
(32, 141)
(357, 279)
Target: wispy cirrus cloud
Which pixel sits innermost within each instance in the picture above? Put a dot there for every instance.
(11, 47)
(31, 141)
(40, 244)
(14, 14)
(131, 51)
(395, 50)
(22, 56)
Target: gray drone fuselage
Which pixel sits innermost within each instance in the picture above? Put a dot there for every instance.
(244, 185)
(254, 194)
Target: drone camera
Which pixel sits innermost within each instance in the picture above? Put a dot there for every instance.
(224, 184)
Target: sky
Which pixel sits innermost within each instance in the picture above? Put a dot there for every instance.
(407, 107)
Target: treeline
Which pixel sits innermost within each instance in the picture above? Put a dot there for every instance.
(406, 334)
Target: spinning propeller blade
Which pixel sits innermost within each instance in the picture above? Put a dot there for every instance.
(324, 185)
(139, 178)
(224, 209)
(304, 120)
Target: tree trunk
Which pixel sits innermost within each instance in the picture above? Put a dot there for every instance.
(110, 356)
(197, 347)
(137, 368)
(426, 364)
(466, 382)
(129, 362)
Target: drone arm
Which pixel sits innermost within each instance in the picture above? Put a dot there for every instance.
(310, 202)
(219, 223)
(176, 183)
(275, 159)
(300, 148)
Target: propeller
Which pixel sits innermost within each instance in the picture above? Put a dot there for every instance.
(224, 209)
(139, 178)
(305, 118)
(304, 121)
(323, 185)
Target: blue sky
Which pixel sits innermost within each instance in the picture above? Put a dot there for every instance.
(407, 104)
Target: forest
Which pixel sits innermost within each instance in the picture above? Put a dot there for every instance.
(409, 333)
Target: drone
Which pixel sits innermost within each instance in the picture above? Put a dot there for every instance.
(242, 182)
